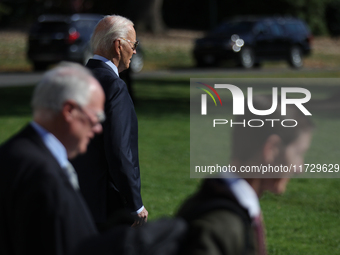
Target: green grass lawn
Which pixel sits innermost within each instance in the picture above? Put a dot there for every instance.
(305, 220)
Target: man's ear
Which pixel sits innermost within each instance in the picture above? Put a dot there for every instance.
(271, 149)
(67, 110)
(117, 45)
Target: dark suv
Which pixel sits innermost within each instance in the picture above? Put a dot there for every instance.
(249, 41)
(54, 38)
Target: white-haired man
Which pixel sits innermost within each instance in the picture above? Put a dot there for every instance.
(41, 208)
(109, 173)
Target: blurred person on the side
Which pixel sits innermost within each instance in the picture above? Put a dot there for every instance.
(109, 173)
(232, 222)
(41, 208)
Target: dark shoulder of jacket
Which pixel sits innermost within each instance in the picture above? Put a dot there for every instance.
(24, 144)
(111, 83)
(206, 201)
(26, 150)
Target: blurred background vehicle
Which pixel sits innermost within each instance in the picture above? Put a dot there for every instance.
(54, 38)
(251, 40)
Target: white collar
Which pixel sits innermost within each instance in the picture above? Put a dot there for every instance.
(52, 143)
(108, 62)
(244, 193)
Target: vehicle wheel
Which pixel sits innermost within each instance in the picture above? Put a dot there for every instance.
(257, 65)
(207, 61)
(200, 63)
(295, 57)
(40, 66)
(137, 63)
(247, 57)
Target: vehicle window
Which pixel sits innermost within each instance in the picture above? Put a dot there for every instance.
(234, 27)
(261, 28)
(293, 28)
(276, 29)
(50, 27)
(85, 26)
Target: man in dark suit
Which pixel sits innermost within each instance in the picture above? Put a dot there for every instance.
(109, 173)
(41, 208)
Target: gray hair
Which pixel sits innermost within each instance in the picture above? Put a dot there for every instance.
(110, 28)
(68, 81)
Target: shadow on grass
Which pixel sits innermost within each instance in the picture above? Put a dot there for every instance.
(162, 97)
(163, 108)
(15, 101)
(176, 81)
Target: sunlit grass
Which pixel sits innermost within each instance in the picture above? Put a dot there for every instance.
(13, 52)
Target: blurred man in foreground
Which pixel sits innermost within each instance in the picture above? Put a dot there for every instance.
(41, 208)
(109, 173)
(225, 214)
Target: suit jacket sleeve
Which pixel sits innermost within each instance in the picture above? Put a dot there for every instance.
(121, 142)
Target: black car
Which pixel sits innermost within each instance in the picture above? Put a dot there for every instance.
(249, 41)
(54, 38)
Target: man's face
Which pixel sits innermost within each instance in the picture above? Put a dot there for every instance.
(127, 49)
(294, 154)
(87, 122)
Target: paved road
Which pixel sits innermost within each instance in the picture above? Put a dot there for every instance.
(27, 79)
(19, 79)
